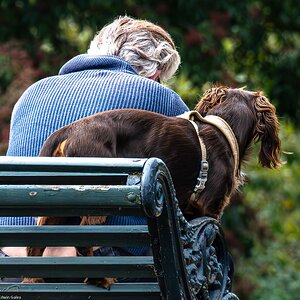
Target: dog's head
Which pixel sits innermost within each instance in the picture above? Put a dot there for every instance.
(249, 113)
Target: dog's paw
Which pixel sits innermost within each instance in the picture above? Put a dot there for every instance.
(108, 281)
(33, 280)
(104, 282)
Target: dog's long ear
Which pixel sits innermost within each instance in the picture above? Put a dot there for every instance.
(266, 132)
(211, 98)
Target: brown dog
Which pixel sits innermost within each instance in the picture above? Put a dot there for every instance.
(139, 134)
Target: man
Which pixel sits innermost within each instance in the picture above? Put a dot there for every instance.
(123, 68)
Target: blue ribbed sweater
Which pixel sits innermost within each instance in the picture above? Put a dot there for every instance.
(85, 85)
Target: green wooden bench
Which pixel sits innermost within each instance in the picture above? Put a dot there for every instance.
(189, 261)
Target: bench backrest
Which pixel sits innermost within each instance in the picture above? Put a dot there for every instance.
(189, 258)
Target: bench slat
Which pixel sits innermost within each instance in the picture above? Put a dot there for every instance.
(72, 200)
(70, 195)
(78, 267)
(77, 291)
(76, 164)
(106, 235)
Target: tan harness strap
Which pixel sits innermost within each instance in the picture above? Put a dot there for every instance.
(204, 166)
(224, 127)
(202, 145)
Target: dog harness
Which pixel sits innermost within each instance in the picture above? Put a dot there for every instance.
(226, 130)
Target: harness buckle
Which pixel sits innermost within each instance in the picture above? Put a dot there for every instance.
(201, 180)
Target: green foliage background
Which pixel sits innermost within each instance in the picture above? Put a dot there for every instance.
(253, 43)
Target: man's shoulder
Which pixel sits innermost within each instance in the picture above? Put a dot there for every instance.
(151, 86)
(167, 101)
(44, 81)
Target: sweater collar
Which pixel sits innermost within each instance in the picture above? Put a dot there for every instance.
(84, 62)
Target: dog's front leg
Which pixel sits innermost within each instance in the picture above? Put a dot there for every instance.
(107, 281)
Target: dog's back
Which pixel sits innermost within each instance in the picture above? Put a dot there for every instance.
(133, 134)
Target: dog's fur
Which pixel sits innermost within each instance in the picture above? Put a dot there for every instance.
(136, 133)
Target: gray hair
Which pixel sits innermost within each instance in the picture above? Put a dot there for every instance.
(144, 45)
